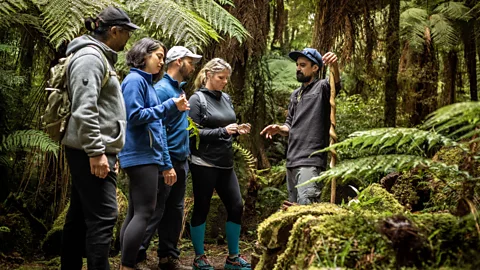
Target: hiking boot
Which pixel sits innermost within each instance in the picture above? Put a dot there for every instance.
(237, 263)
(202, 263)
(170, 263)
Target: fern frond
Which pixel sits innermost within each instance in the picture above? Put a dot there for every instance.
(28, 20)
(363, 167)
(28, 139)
(176, 21)
(220, 19)
(459, 120)
(226, 2)
(11, 7)
(454, 10)
(64, 19)
(443, 32)
(246, 155)
(409, 139)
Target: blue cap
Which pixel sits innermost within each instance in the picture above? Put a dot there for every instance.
(309, 53)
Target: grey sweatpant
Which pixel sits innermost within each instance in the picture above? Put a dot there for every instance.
(306, 194)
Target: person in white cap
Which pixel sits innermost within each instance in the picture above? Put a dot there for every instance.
(168, 215)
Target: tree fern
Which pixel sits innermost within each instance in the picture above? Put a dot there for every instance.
(28, 20)
(400, 139)
(459, 120)
(218, 17)
(192, 22)
(28, 139)
(8, 7)
(178, 22)
(63, 19)
(361, 168)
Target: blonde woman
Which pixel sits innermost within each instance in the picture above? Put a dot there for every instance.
(212, 163)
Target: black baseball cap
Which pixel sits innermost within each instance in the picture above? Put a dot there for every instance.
(309, 53)
(113, 16)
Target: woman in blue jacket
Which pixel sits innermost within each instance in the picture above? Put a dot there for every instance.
(145, 147)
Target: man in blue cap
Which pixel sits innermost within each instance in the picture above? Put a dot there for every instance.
(307, 124)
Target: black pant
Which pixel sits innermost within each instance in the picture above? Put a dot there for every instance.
(91, 216)
(141, 205)
(224, 181)
(168, 215)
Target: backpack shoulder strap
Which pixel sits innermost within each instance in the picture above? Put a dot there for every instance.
(203, 104)
(227, 98)
(110, 72)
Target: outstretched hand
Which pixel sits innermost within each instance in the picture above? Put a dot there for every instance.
(270, 130)
(182, 103)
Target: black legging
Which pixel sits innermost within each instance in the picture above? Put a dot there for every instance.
(141, 205)
(224, 181)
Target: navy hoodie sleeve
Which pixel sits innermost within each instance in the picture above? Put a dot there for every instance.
(206, 134)
(134, 92)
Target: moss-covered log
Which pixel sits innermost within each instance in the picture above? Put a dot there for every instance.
(382, 237)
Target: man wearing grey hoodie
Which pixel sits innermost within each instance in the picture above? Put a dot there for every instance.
(94, 136)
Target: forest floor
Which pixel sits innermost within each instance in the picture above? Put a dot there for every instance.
(215, 253)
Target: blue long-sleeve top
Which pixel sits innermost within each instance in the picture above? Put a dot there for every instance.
(145, 141)
(175, 124)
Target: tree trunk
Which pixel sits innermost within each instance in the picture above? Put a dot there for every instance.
(279, 25)
(323, 31)
(392, 56)
(426, 88)
(468, 36)
(450, 74)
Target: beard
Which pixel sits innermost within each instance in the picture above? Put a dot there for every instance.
(302, 78)
(184, 73)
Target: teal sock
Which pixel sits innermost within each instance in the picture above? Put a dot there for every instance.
(198, 237)
(233, 237)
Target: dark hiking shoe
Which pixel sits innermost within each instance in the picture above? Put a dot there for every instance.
(170, 263)
(202, 263)
(237, 263)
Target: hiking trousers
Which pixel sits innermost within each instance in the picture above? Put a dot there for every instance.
(306, 194)
(168, 215)
(91, 216)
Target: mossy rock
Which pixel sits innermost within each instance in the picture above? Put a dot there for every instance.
(354, 239)
(52, 242)
(274, 232)
(376, 198)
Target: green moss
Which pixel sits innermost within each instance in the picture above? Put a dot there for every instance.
(376, 198)
(274, 231)
(353, 240)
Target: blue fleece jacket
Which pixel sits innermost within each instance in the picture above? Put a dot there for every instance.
(176, 124)
(145, 141)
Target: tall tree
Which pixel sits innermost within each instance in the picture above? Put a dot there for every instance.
(392, 55)
(468, 37)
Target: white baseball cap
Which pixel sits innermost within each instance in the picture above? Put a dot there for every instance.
(178, 52)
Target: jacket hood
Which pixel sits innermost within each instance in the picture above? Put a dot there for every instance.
(87, 40)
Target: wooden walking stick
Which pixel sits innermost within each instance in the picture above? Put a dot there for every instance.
(333, 134)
